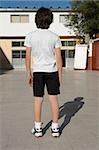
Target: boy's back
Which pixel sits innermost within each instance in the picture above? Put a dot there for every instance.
(43, 43)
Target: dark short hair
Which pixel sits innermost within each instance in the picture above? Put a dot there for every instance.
(43, 18)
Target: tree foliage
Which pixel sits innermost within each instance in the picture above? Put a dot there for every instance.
(86, 16)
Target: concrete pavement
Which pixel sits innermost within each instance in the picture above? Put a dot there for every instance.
(79, 113)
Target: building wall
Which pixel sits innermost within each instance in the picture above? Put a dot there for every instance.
(15, 29)
(9, 30)
(95, 53)
(21, 29)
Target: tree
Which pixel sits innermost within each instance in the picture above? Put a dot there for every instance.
(85, 18)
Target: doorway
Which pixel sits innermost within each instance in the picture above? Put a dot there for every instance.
(68, 58)
(18, 59)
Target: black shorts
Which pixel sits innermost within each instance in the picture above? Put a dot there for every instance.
(51, 80)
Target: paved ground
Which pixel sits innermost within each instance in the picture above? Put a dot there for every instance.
(79, 113)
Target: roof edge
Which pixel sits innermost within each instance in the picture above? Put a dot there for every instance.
(33, 10)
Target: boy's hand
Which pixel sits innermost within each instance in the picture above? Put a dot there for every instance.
(30, 80)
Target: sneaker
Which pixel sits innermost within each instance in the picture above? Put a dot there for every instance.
(55, 132)
(37, 132)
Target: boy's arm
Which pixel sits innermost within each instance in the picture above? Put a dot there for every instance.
(28, 64)
(59, 63)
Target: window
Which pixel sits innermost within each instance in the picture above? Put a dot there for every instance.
(19, 18)
(68, 43)
(24, 18)
(17, 43)
(71, 53)
(18, 54)
(23, 54)
(64, 19)
(18, 58)
(71, 43)
(15, 54)
(64, 43)
(22, 43)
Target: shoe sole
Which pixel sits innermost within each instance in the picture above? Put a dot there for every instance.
(55, 135)
(38, 134)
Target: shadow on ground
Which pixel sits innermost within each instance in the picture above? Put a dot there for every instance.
(2, 72)
(67, 110)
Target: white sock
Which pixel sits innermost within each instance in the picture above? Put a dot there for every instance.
(54, 125)
(37, 124)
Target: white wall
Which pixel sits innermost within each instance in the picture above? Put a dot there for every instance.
(15, 29)
(21, 29)
(90, 49)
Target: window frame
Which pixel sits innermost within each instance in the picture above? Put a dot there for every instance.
(21, 43)
(67, 43)
(21, 54)
(63, 15)
(20, 18)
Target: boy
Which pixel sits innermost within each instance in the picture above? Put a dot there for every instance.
(47, 68)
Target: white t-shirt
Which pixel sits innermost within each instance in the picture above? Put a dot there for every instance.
(43, 43)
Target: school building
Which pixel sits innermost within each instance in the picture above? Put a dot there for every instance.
(16, 23)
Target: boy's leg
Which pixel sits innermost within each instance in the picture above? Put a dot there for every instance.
(37, 108)
(52, 83)
(53, 99)
(37, 129)
(38, 92)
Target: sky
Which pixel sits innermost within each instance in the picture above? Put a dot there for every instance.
(35, 0)
(34, 3)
